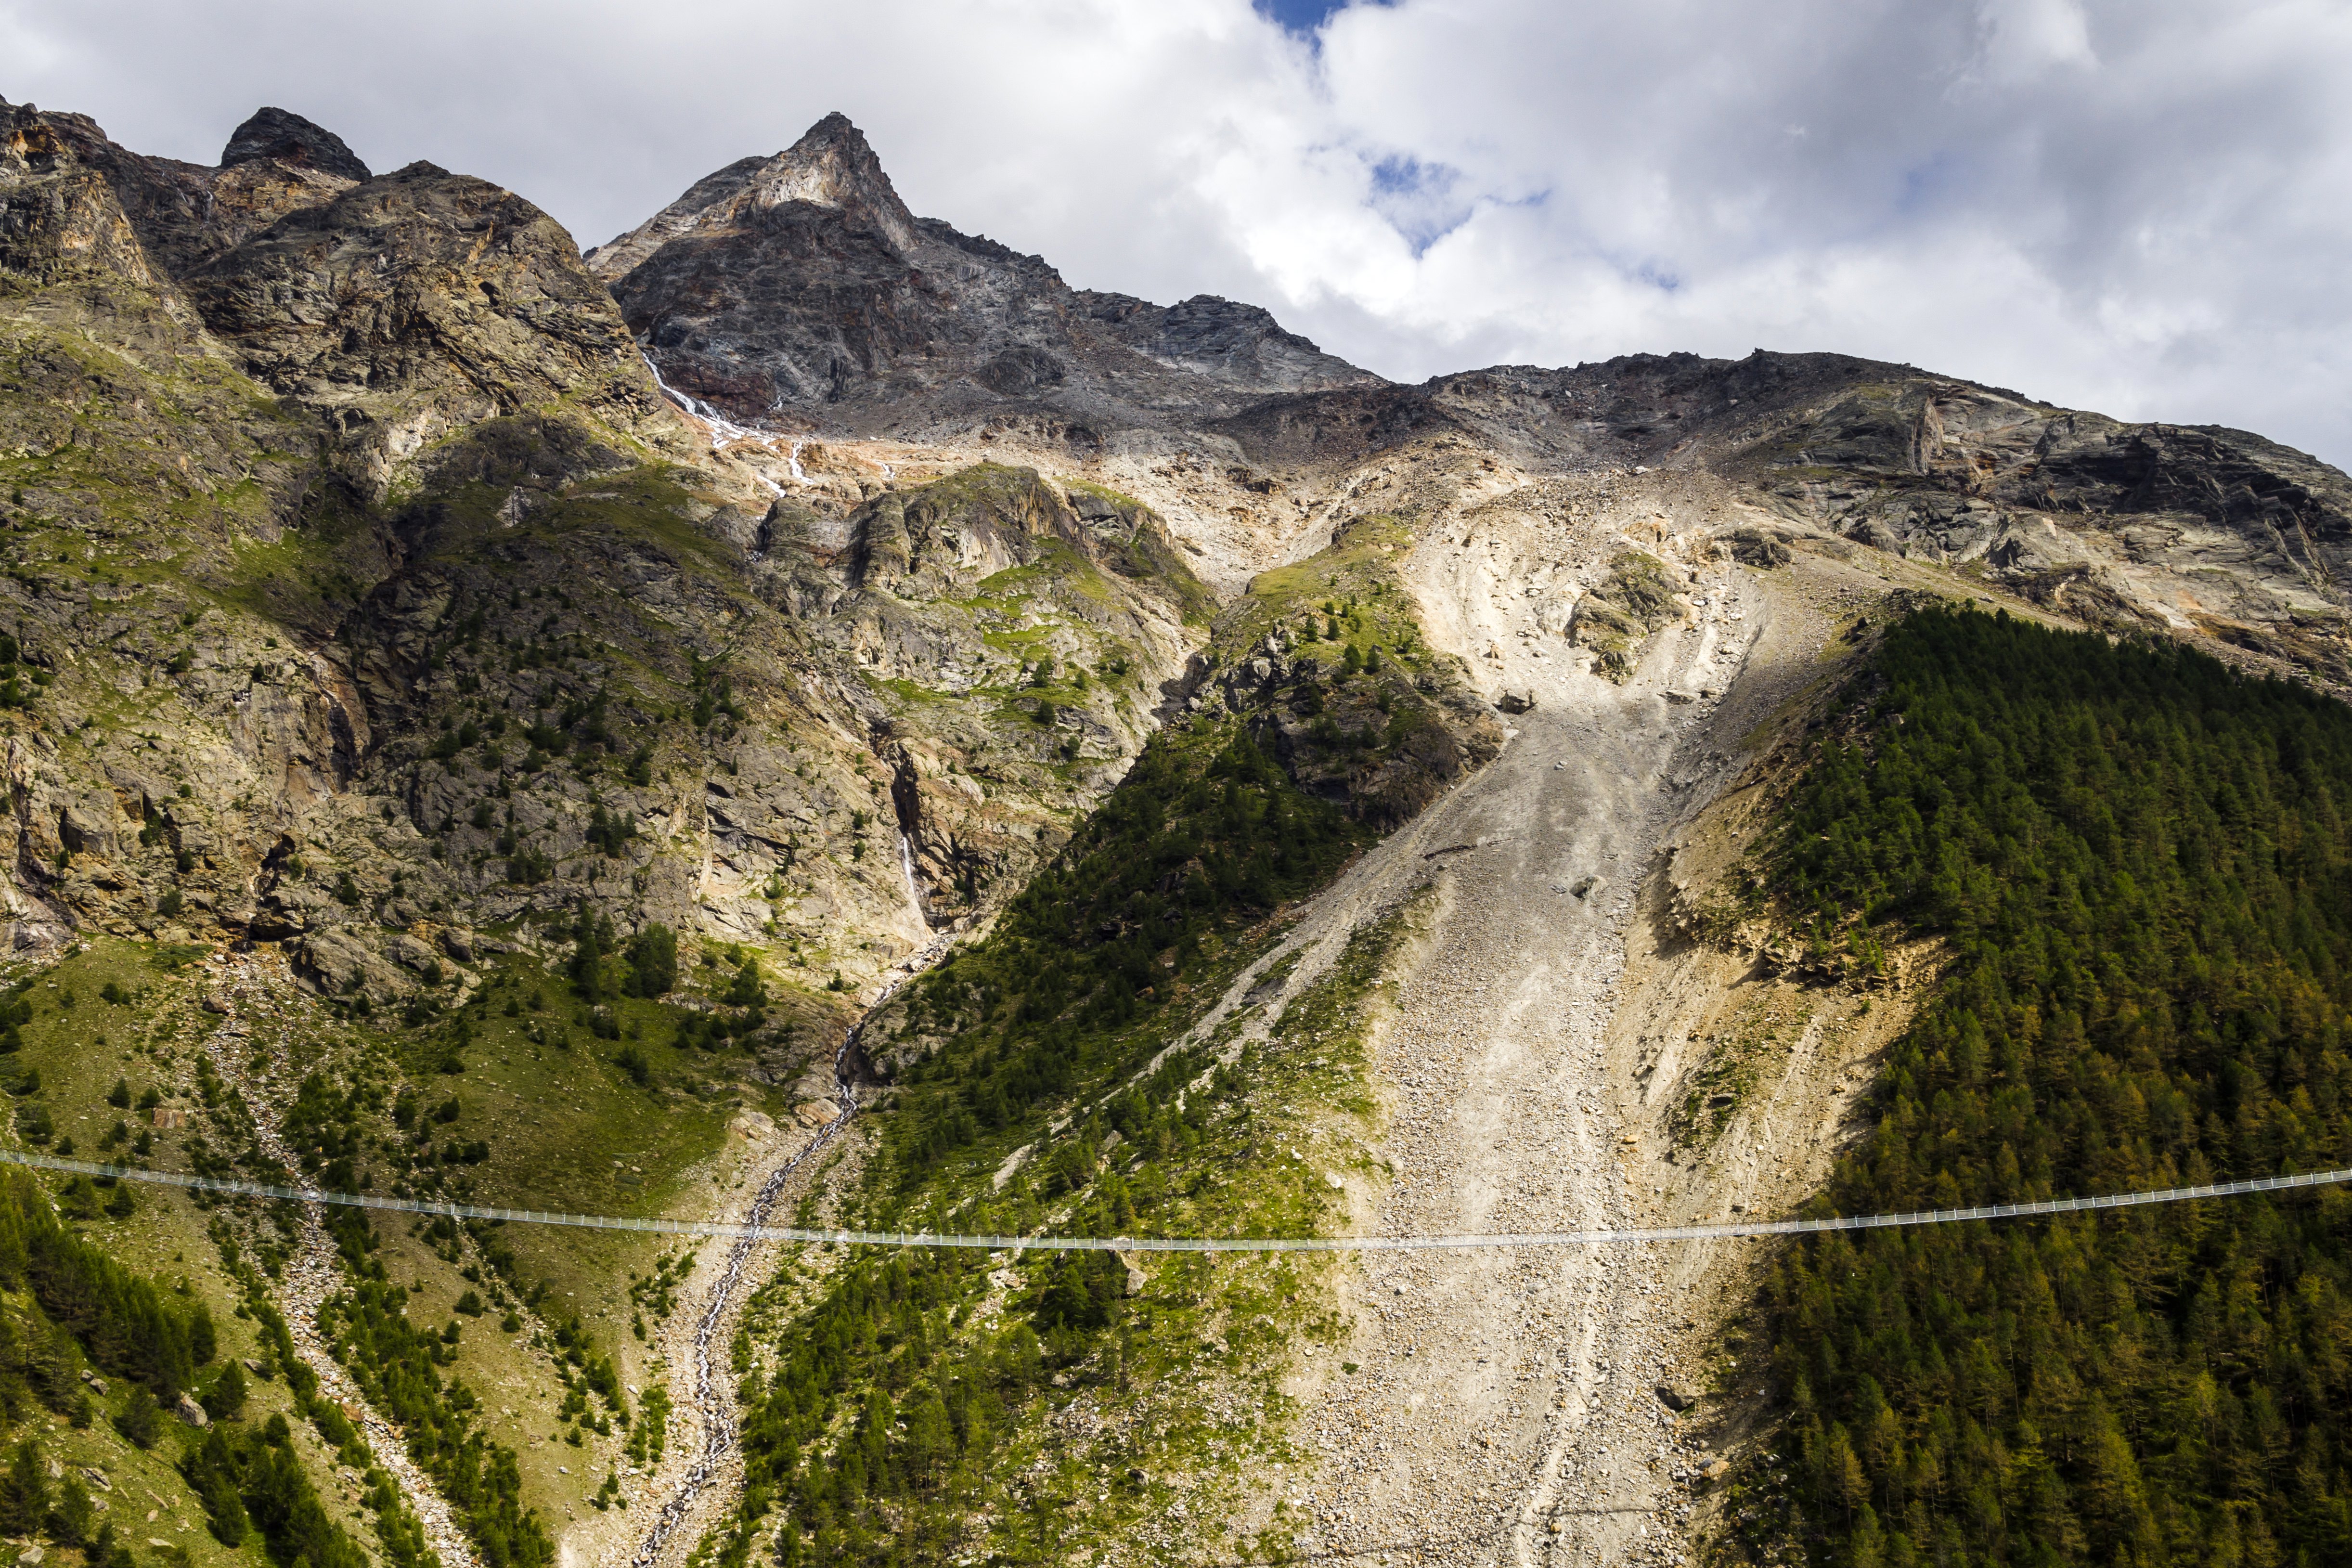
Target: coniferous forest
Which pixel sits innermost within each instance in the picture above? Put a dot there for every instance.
(2137, 861)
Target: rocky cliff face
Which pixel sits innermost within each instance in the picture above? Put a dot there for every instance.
(367, 596)
(291, 141)
(403, 311)
(799, 289)
(2217, 535)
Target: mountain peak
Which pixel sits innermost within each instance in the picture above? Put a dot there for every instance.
(289, 138)
(836, 125)
(834, 165)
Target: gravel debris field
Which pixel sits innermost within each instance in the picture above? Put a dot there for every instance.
(1504, 1405)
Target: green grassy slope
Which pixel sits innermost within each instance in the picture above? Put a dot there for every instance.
(936, 1406)
(96, 1360)
(533, 1091)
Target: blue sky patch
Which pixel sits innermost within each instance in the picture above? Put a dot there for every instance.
(1423, 202)
(1300, 16)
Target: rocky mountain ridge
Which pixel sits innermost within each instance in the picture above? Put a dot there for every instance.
(800, 290)
(358, 394)
(2215, 533)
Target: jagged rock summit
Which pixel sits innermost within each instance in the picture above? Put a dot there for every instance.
(289, 138)
(800, 288)
(832, 166)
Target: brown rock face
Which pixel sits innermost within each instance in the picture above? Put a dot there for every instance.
(398, 310)
(1007, 632)
(60, 212)
(799, 288)
(2201, 531)
(831, 167)
(418, 303)
(74, 198)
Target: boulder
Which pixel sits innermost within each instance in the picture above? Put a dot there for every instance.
(1759, 547)
(1516, 700)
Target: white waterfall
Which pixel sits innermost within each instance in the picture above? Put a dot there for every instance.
(906, 865)
(723, 430)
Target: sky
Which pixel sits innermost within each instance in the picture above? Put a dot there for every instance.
(2137, 206)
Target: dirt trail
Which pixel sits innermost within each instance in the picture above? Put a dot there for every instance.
(254, 999)
(1504, 1410)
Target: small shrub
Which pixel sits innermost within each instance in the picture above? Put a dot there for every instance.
(143, 1421)
(227, 1399)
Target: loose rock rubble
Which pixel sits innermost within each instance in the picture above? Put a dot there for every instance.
(702, 1468)
(1504, 1404)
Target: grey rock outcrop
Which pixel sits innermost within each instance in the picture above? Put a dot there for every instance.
(289, 138)
(799, 289)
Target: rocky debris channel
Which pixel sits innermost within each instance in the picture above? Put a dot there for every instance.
(1505, 1409)
(713, 1405)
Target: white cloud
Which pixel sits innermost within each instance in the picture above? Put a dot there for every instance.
(2025, 39)
(2133, 205)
